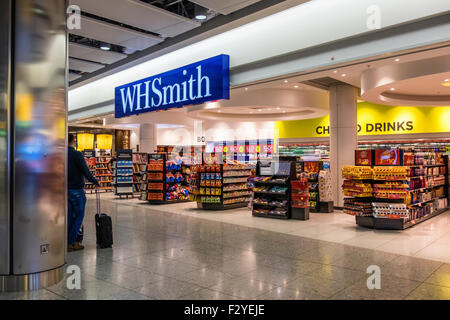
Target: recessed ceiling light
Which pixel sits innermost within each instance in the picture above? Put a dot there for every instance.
(344, 74)
(246, 89)
(200, 17)
(278, 108)
(285, 81)
(259, 110)
(392, 89)
(296, 87)
(447, 80)
(335, 71)
(105, 46)
(397, 60)
(219, 111)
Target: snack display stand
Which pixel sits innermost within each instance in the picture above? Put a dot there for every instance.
(103, 171)
(218, 186)
(139, 173)
(123, 177)
(165, 180)
(396, 194)
(89, 157)
(319, 178)
(272, 191)
(300, 199)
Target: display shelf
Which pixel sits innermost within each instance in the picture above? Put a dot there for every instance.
(211, 190)
(165, 182)
(123, 173)
(273, 176)
(394, 224)
(414, 202)
(103, 171)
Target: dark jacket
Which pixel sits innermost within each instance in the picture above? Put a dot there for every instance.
(78, 170)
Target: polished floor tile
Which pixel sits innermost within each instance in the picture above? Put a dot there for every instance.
(179, 252)
(429, 292)
(168, 289)
(244, 287)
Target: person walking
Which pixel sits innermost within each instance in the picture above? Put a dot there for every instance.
(77, 171)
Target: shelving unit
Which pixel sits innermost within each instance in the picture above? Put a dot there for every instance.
(123, 177)
(392, 197)
(163, 178)
(103, 172)
(311, 170)
(89, 157)
(140, 162)
(221, 186)
(272, 191)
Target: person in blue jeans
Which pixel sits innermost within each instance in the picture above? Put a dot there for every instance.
(77, 171)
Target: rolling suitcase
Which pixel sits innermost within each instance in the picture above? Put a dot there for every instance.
(103, 227)
(80, 235)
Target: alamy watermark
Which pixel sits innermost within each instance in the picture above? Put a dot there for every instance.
(73, 17)
(74, 279)
(373, 21)
(374, 280)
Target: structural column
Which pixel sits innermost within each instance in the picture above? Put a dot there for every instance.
(147, 138)
(343, 134)
(33, 123)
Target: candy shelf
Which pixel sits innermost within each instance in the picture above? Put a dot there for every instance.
(89, 157)
(165, 182)
(220, 186)
(272, 190)
(400, 200)
(140, 162)
(103, 172)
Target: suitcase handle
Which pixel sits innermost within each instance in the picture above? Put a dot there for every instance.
(97, 196)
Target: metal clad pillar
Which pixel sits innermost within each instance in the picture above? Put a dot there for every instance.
(343, 134)
(35, 222)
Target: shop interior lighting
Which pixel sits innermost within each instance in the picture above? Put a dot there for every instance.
(200, 17)
(296, 87)
(285, 81)
(335, 71)
(392, 89)
(344, 74)
(397, 60)
(105, 46)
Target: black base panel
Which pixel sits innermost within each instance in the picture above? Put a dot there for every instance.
(326, 207)
(393, 224)
(300, 214)
(158, 202)
(264, 215)
(220, 206)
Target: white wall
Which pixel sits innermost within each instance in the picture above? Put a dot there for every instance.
(216, 131)
(229, 131)
(305, 26)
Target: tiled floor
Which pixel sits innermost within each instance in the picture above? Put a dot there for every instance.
(159, 254)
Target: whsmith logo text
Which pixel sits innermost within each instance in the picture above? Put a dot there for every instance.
(200, 82)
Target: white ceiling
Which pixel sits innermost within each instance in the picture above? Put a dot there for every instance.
(225, 6)
(84, 66)
(133, 25)
(103, 31)
(94, 54)
(138, 14)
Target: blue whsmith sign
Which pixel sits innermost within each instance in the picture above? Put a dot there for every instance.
(200, 82)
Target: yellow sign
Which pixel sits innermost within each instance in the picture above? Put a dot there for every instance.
(104, 141)
(374, 119)
(85, 141)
